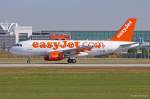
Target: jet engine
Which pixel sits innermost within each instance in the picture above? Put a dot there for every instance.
(54, 56)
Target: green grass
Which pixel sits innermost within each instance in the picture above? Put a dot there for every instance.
(80, 60)
(39, 83)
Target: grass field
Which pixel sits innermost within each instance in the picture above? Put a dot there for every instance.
(80, 60)
(75, 83)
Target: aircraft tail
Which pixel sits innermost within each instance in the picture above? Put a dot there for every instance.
(126, 32)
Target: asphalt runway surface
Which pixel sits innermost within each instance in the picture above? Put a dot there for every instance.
(74, 65)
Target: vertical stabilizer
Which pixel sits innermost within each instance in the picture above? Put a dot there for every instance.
(126, 32)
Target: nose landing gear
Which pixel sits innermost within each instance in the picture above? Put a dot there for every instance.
(29, 60)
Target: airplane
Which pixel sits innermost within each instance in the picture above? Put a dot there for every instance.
(55, 50)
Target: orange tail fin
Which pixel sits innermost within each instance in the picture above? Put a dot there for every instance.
(126, 31)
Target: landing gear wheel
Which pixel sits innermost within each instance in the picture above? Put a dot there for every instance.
(71, 61)
(74, 61)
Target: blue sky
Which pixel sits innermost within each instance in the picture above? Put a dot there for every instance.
(75, 14)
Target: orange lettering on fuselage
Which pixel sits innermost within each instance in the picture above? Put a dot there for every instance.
(43, 45)
(64, 45)
(94, 44)
(97, 45)
(55, 45)
(70, 44)
(35, 45)
(49, 45)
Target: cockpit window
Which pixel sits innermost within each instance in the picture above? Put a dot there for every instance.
(20, 45)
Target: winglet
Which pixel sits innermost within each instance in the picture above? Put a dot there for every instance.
(126, 31)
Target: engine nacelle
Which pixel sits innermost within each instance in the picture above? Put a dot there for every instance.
(54, 56)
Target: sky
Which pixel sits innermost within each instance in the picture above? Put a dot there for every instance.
(75, 15)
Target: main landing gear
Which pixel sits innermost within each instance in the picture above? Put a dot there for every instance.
(71, 60)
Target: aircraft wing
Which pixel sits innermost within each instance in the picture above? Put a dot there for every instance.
(125, 47)
(132, 45)
(75, 51)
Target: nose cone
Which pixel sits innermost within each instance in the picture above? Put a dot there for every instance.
(18, 51)
(12, 50)
(15, 50)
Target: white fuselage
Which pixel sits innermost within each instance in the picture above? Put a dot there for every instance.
(43, 47)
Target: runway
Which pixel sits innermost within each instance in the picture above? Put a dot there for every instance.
(74, 65)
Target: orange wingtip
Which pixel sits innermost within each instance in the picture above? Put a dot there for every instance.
(126, 31)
